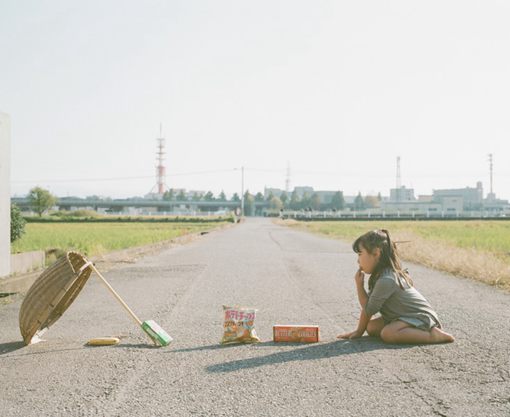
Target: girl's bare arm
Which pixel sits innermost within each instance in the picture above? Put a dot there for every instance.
(360, 287)
(364, 318)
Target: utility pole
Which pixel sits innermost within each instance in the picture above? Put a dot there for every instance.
(287, 180)
(242, 191)
(399, 180)
(160, 170)
(491, 165)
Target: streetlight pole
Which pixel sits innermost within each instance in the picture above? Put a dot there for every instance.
(242, 191)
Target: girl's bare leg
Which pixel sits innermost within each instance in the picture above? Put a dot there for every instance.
(401, 332)
(375, 326)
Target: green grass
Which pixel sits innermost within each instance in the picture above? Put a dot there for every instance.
(488, 236)
(99, 238)
(476, 249)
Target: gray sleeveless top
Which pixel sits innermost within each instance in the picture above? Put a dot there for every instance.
(395, 303)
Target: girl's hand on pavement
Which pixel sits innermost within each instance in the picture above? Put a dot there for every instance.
(351, 335)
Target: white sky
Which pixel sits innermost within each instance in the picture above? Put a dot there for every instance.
(337, 88)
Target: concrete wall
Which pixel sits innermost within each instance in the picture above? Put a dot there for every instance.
(5, 195)
(21, 263)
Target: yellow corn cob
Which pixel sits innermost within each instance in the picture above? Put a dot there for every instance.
(103, 341)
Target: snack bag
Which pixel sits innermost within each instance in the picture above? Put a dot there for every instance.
(239, 326)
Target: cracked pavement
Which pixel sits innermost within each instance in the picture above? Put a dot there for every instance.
(290, 277)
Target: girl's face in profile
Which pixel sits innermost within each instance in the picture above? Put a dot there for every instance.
(368, 261)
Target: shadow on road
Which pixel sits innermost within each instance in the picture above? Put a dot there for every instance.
(128, 345)
(10, 347)
(13, 346)
(6, 348)
(316, 351)
(218, 346)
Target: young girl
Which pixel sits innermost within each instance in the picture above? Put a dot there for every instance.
(406, 316)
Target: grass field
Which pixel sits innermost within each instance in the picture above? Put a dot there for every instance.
(99, 238)
(474, 249)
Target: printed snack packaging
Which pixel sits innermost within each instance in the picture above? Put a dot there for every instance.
(295, 333)
(238, 325)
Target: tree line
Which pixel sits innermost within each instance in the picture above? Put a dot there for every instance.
(294, 201)
(42, 200)
(284, 201)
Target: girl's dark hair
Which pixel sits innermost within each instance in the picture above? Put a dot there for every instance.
(389, 255)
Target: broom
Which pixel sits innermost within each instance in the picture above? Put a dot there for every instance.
(150, 327)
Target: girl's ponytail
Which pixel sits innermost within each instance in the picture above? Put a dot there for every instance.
(390, 244)
(395, 262)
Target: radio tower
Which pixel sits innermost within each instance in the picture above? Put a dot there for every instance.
(160, 169)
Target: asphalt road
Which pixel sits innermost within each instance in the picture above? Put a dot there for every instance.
(290, 277)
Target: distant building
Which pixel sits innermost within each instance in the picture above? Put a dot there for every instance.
(409, 207)
(425, 198)
(491, 197)
(325, 196)
(301, 191)
(452, 204)
(472, 197)
(402, 194)
(455, 201)
(402, 200)
(495, 205)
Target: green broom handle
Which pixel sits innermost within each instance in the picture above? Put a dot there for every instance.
(117, 296)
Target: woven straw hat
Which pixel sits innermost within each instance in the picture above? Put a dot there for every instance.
(52, 293)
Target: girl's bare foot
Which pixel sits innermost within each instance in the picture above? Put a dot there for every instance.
(440, 336)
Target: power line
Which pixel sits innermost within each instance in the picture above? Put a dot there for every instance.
(272, 171)
(217, 171)
(177, 174)
(82, 179)
(294, 172)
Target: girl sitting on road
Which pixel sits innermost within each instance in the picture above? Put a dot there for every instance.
(406, 316)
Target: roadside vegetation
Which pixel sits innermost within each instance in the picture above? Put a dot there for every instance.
(473, 249)
(96, 238)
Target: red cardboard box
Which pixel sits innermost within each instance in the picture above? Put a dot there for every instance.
(295, 333)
